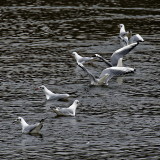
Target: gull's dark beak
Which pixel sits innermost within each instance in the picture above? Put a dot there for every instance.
(15, 121)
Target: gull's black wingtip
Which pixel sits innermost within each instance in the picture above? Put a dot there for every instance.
(42, 120)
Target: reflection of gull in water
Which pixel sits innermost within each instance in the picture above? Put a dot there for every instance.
(81, 59)
(26, 128)
(118, 54)
(127, 37)
(70, 111)
(107, 74)
(94, 81)
(53, 96)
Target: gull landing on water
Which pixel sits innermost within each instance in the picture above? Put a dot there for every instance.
(70, 111)
(53, 96)
(115, 71)
(26, 128)
(80, 59)
(107, 74)
(94, 81)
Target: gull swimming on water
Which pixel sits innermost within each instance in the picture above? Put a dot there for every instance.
(70, 111)
(53, 96)
(80, 59)
(107, 74)
(122, 31)
(118, 54)
(26, 128)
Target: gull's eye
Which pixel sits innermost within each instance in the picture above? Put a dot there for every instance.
(19, 119)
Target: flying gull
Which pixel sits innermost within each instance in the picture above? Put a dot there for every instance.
(106, 74)
(70, 111)
(94, 81)
(115, 71)
(118, 54)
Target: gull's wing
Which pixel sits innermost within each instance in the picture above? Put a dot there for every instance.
(91, 76)
(58, 96)
(66, 111)
(136, 38)
(121, 52)
(104, 60)
(115, 71)
(85, 59)
(63, 111)
(35, 128)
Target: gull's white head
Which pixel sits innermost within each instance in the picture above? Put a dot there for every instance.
(76, 102)
(19, 119)
(121, 25)
(74, 53)
(42, 87)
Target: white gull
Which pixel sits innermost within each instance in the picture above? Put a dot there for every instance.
(93, 80)
(53, 96)
(118, 54)
(70, 111)
(106, 74)
(26, 128)
(127, 37)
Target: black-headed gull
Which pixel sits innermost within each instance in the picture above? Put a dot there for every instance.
(122, 31)
(80, 59)
(118, 54)
(70, 111)
(127, 37)
(53, 96)
(107, 74)
(26, 128)
(115, 71)
(93, 80)
(134, 38)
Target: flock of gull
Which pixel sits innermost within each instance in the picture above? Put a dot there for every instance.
(114, 68)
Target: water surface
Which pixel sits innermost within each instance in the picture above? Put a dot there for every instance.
(119, 121)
